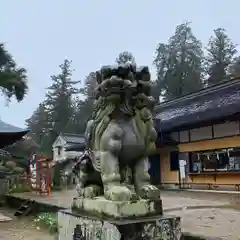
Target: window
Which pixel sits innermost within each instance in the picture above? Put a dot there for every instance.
(195, 162)
(216, 160)
(59, 151)
(209, 161)
(174, 161)
(234, 160)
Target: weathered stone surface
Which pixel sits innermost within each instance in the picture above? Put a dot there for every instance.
(100, 206)
(4, 218)
(119, 137)
(160, 227)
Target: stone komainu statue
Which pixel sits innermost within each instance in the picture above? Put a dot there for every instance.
(120, 137)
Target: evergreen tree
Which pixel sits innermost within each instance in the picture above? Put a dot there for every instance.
(13, 80)
(55, 114)
(38, 122)
(84, 105)
(220, 55)
(90, 83)
(40, 125)
(59, 99)
(125, 57)
(179, 64)
(234, 69)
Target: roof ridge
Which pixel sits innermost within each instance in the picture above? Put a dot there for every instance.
(201, 92)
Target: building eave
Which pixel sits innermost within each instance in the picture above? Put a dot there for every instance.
(200, 93)
(212, 104)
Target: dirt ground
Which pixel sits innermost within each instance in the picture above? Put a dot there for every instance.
(21, 229)
(214, 215)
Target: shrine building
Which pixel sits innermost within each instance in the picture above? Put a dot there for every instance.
(203, 129)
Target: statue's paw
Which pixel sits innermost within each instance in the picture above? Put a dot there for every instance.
(92, 191)
(118, 193)
(80, 190)
(149, 192)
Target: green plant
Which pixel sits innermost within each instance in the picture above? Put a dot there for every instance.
(20, 188)
(2, 202)
(48, 221)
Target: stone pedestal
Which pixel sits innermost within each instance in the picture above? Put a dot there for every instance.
(76, 226)
(101, 207)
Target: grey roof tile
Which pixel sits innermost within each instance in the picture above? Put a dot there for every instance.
(73, 138)
(8, 128)
(214, 105)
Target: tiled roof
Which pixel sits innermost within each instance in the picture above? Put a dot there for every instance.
(10, 134)
(205, 106)
(8, 128)
(73, 138)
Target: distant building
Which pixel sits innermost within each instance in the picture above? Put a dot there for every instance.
(203, 129)
(9, 134)
(62, 143)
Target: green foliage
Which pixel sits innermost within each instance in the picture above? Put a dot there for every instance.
(220, 55)
(20, 188)
(21, 150)
(47, 221)
(57, 175)
(55, 114)
(179, 64)
(39, 123)
(13, 80)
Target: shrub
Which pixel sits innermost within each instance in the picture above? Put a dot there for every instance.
(10, 164)
(20, 188)
(48, 221)
(18, 170)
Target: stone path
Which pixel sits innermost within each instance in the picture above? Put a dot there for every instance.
(170, 199)
(208, 220)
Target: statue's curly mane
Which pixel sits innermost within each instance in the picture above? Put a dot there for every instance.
(101, 117)
(121, 92)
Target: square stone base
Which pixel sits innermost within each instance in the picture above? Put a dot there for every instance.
(101, 207)
(74, 226)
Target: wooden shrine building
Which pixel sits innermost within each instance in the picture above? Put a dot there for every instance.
(203, 129)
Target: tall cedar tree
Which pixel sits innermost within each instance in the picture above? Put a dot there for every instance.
(13, 80)
(58, 109)
(220, 55)
(83, 106)
(179, 64)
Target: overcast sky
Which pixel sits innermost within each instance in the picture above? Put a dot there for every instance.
(40, 34)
